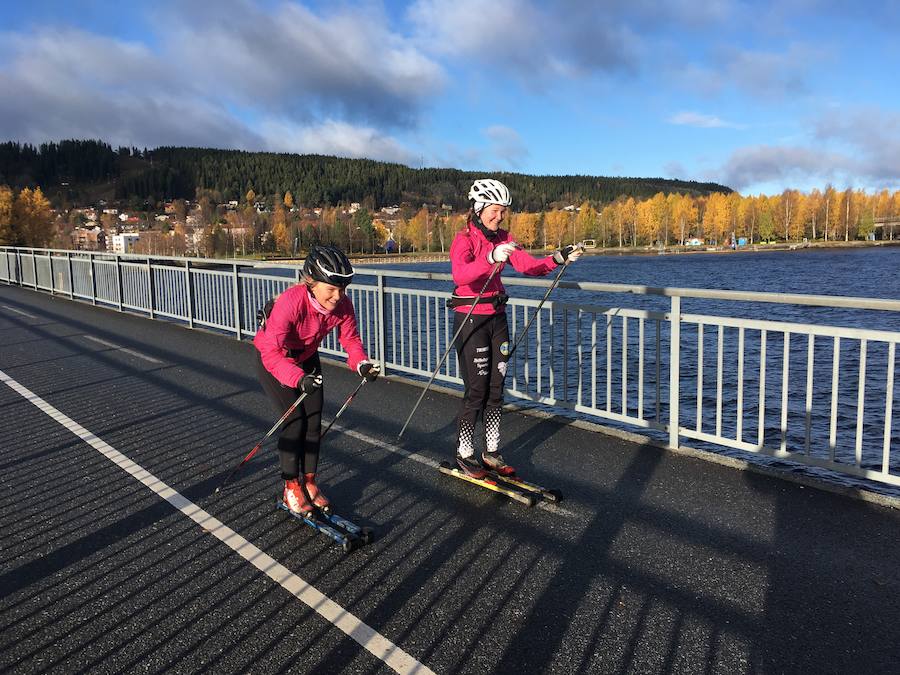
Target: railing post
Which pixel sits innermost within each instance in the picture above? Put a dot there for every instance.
(150, 285)
(91, 257)
(118, 281)
(381, 328)
(71, 276)
(674, 369)
(190, 292)
(236, 300)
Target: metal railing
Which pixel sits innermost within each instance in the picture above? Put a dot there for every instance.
(817, 394)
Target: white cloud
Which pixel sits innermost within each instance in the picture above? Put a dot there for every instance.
(782, 164)
(871, 134)
(695, 119)
(205, 76)
(333, 137)
(345, 63)
(854, 147)
(532, 42)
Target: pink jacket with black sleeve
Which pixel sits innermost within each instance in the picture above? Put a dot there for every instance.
(295, 329)
(470, 266)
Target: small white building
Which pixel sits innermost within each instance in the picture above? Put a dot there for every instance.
(124, 243)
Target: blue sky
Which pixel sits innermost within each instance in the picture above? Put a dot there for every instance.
(759, 96)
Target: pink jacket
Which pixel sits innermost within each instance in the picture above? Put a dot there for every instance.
(296, 324)
(470, 266)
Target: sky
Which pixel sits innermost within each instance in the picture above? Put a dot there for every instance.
(758, 96)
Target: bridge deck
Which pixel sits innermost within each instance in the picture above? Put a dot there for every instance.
(655, 563)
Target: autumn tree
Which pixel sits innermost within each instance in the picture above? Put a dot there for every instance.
(646, 224)
(7, 233)
(280, 228)
(607, 223)
(416, 229)
(556, 227)
(766, 221)
(32, 218)
(381, 233)
(833, 201)
(523, 227)
(586, 222)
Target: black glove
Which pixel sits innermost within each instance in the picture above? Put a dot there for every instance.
(369, 370)
(562, 255)
(310, 382)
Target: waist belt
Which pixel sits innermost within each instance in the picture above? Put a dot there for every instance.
(497, 301)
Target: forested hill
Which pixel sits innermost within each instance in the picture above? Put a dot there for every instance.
(313, 180)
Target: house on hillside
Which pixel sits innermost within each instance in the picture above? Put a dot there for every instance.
(124, 242)
(88, 239)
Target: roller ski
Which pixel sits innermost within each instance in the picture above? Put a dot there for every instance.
(497, 476)
(322, 519)
(498, 470)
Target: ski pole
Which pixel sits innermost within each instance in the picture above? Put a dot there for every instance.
(553, 285)
(449, 347)
(343, 407)
(259, 445)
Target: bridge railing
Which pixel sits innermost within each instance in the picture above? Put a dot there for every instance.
(733, 375)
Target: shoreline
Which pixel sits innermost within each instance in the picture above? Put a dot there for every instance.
(435, 256)
(749, 248)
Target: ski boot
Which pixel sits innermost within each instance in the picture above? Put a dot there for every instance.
(494, 461)
(470, 466)
(294, 498)
(318, 499)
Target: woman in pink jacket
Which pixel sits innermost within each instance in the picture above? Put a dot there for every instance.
(483, 343)
(288, 365)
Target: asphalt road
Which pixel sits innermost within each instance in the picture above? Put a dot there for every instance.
(656, 562)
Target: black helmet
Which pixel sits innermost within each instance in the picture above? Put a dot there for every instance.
(328, 264)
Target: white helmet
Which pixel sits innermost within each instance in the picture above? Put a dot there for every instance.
(486, 191)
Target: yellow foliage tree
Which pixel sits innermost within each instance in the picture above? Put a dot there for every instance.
(381, 233)
(417, 229)
(32, 216)
(586, 222)
(523, 227)
(646, 222)
(7, 233)
(556, 227)
(280, 229)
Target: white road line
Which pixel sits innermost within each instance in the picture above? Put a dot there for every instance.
(112, 345)
(427, 461)
(365, 635)
(19, 311)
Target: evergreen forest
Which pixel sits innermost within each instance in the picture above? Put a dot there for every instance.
(71, 171)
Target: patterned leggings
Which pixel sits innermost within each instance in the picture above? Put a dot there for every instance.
(483, 349)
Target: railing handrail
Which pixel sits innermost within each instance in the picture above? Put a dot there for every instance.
(837, 301)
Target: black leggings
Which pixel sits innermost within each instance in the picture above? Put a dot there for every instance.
(298, 442)
(483, 350)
